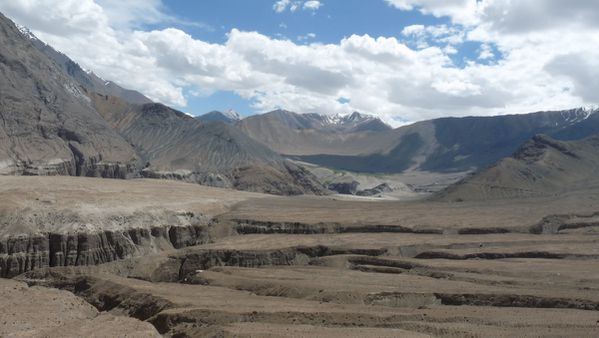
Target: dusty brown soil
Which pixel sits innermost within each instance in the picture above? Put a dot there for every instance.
(305, 266)
(42, 312)
(65, 204)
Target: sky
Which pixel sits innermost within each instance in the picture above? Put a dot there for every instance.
(402, 60)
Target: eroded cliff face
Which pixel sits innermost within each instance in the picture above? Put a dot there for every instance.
(25, 253)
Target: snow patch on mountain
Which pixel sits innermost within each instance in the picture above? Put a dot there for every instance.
(579, 114)
(232, 114)
(343, 119)
(26, 32)
(589, 110)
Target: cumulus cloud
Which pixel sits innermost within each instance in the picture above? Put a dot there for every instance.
(544, 58)
(535, 65)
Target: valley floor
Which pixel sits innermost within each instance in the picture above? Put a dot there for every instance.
(263, 266)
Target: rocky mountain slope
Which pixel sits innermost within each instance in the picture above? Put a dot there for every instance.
(229, 117)
(83, 77)
(47, 124)
(542, 166)
(175, 145)
(58, 119)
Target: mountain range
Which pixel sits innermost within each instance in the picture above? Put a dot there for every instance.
(440, 145)
(174, 145)
(60, 119)
(290, 133)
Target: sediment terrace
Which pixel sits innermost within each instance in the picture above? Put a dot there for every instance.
(25, 253)
(193, 261)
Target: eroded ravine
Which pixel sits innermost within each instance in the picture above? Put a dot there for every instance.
(191, 266)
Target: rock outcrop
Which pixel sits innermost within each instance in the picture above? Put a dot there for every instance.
(379, 189)
(346, 188)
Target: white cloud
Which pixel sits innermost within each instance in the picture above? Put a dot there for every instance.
(512, 16)
(306, 37)
(282, 5)
(413, 30)
(312, 5)
(582, 73)
(422, 36)
(544, 58)
(131, 13)
(535, 66)
(460, 11)
(485, 52)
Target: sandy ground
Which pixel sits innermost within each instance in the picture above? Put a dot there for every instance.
(66, 204)
(42, 312)
(449, 216)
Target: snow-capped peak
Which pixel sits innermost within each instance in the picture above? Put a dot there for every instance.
(333, 119)
(355, 116)
(340, 119)
(25, 31)
(589, 109)
(233, 115)
(579, 114)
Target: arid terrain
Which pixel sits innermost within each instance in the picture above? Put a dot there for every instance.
(186, 261)
(440, 181)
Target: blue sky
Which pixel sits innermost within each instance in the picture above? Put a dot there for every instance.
(333, 21)
(401, 60)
